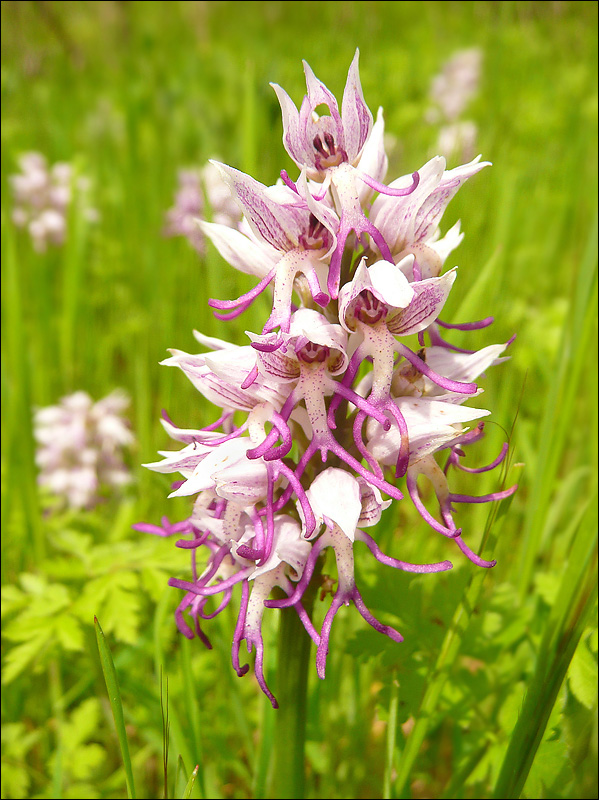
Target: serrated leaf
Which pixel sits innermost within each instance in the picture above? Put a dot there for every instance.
(582, 676)
(12, 599)
(551, 763)
(25, 629)
(15, 780)
(69, 633)
(20, 657)
(85, 759)
(79, 790)
(115, 597)
(55, 597)
(547, 585)
(154, 581)
(120, 612)
(83, 721)
(508, 713)
(32, 584)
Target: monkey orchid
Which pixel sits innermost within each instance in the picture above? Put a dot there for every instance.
(329, 413)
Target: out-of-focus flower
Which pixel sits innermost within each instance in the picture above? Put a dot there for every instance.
(451, 92)
(42, 196)
(200, 193)
(458, 139)
(457, 83)
(328, 377)
(80, 447)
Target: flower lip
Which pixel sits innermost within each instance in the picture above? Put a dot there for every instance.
(317, 237)
(368, 308)
(319, 143)
(330, 157)
(372, 292)
(310, 341)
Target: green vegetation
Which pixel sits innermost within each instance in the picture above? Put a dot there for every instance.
(493, 692)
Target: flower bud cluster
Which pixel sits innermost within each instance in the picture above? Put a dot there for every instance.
(327, 410)
(80, 447)
(198, 191)
(42, 196)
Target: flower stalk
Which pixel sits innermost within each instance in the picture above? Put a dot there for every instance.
(287, 778)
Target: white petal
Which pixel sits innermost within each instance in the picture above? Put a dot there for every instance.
(335, 494)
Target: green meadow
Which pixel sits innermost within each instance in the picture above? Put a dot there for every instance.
(493, 692)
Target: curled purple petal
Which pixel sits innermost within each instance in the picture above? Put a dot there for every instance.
(405, 566)
(485, 498)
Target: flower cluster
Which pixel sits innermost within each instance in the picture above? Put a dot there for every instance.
(42, 197)
(451, 91)
(326, 409)
(197, 190)
(80, 447)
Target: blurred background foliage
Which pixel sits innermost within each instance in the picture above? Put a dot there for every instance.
(129, 93)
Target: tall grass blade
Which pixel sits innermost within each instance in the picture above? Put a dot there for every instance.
(563, 630)
(189, 787)
(573, 355)
(448, 654)
(391, 732)
(192, 710)
(165, 729)
(114, 695)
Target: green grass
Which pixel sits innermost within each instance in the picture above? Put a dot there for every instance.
(492, 694)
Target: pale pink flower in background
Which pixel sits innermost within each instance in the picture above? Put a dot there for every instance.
(80, 447)
(457, 83)
(200, 193)
(451, 92)
(458, 140)
(42, 196)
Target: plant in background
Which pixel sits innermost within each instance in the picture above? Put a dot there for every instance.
(199, 192)
(330, 407)
(451, 91)
(80, 447)
(42, 196)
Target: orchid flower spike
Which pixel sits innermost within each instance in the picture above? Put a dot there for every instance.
(330, 413)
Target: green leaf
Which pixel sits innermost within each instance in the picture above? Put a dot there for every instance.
(582, 676)
(22, 656)
(551, 763)
(69, 633)
(115, 597)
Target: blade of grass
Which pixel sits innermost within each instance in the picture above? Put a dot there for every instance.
(165, 729)
(56, 694)
(267, 731)
(180, 778)
(448, 654)
(391, 732)
(114, 695)
(573, 354)
(73, 262)
(193, 713)
(189, 787)
(21, 478)
(563, 630)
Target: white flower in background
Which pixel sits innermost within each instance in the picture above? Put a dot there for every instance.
(451, 92)
(200, 193)
(42, 196)
(80, 447)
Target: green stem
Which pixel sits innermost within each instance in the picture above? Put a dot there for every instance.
(288, 777)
